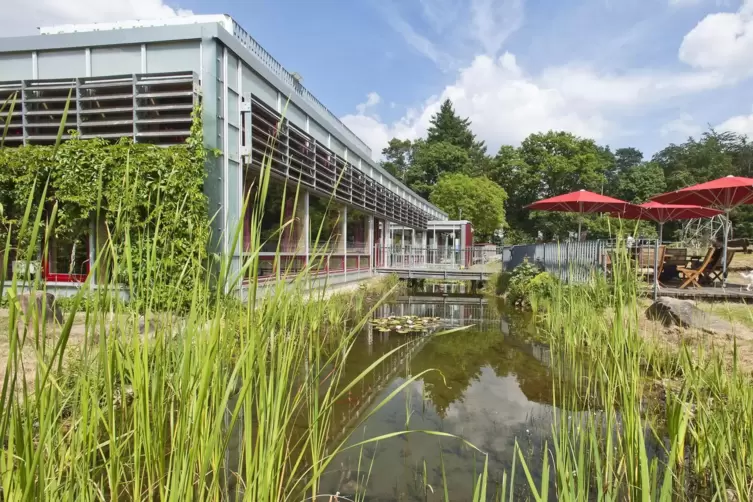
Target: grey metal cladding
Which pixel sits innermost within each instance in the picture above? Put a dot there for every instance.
(116, 60)
(61, 63)
(173, 56)
(16, 66)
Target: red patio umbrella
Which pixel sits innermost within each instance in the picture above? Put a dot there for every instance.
(723, 193)
(580, 202)
(662, 213)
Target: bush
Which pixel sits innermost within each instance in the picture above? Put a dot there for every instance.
(529, 279)
(498, 283)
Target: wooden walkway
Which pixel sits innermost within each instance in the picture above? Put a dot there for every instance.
(733, 292)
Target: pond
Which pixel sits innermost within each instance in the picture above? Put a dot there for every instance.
(487, 385)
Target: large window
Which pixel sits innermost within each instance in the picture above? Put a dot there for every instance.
(280, 206)
(357, 235)
(325, 225)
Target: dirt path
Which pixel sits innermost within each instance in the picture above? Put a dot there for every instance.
(29, 355)
(739, 316)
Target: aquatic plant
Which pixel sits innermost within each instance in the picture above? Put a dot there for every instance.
(199, 399)
(406, 324)
(692, 440)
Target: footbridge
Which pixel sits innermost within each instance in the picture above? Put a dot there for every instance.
(443, 263)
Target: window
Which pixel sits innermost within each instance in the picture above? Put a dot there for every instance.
(357, 235)
(67, 259)
(325, 224)
(278, 203)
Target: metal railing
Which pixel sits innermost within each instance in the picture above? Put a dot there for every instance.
(436, 258)
(578, 261)
(569, 261)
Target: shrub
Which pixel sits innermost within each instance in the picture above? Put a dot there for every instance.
(528, 279)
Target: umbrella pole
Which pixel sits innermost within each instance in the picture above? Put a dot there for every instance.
(724, 251)
(656, 260)
(580, 222)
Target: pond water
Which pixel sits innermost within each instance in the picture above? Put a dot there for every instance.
(489, 385)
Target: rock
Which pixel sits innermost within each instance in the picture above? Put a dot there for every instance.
(168, 324)
(42, 306)
(684, 313)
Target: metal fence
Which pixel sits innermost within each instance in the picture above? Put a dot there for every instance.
(438, 258)
(569, 261)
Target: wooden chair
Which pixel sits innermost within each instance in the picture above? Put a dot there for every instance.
(693, 273)
(646, 261)
(715, 273)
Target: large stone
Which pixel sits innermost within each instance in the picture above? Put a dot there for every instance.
(684, 313)
(168, 324)
(41, 309)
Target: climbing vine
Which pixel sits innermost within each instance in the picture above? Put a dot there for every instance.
(134, 192)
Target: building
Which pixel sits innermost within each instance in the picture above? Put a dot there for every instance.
(444, 243)
(142, 79)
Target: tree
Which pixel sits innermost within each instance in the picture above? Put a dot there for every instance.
(566, 162)
(479, 200)
(639, 183)
(545, 165)
(397, 157)
(627, 158)
(695, 161)
(430, 161)
(622, 160)
(448, 127)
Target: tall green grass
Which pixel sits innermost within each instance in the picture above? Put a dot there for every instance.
(204, 403)
(692, 438)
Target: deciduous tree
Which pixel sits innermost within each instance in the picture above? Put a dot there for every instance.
(430, 161)
(477, 199)
(397, 156)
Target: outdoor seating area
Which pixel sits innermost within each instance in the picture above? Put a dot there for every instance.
(681, 268)
(668, 266)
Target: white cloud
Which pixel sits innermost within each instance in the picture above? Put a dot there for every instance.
(494, 21)
(372, 99)
(26, 16)
(441, 14)
(682, 127)
(450, 28)
(722, 41)
(418, 42)
(741, 124)
(505, 104)
(367, 125)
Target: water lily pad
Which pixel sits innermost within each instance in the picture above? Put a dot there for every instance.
(406, 324)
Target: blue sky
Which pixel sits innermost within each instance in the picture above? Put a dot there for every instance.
(626, 72)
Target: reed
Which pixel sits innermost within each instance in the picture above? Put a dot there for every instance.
(691, 440)
(224, 400)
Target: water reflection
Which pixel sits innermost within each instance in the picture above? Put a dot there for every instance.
(489, 388)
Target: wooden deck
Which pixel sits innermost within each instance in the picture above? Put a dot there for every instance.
(733, 292)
